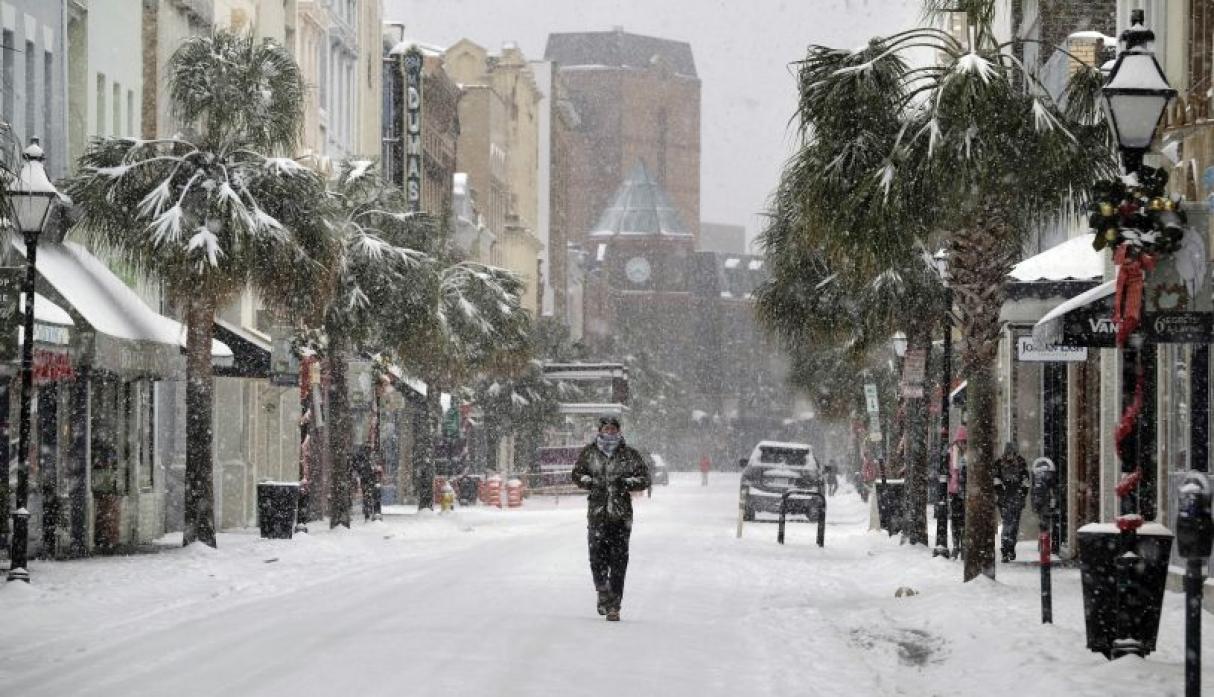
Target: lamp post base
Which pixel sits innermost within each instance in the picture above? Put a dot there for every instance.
(18, 552)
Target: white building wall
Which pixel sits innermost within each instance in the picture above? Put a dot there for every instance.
(115, 74)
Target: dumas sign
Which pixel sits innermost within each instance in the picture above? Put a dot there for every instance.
(413, 129)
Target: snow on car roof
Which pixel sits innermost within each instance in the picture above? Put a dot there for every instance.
(784, 446)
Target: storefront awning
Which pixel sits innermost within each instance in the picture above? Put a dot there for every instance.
(1073, 260)
(1037, 284)
(118, 331)
(1084, 320)
(250, 351)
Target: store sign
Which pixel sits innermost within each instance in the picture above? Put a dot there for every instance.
(413, 129)
(52, 366)
(1031, 352)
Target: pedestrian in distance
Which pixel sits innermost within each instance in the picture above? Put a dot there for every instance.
(956, 488)
(610, 470)
(832, 479)
(1011, 491)
(705, 465)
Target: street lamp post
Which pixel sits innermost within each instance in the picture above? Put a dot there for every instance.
(31, 196)
(941, 548)
(1124, 567)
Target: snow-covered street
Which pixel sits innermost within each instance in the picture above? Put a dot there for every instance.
(499, 602)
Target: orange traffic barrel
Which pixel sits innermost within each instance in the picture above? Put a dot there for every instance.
(514, 493)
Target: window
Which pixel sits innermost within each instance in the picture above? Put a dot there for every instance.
(6, 75)
(146, 434)
(31, 90)
(48, 91)
(99, 126)
(117, 130)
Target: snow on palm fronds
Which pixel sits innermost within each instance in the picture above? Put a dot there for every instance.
(218, 208)
(238, 88)
(380, 284)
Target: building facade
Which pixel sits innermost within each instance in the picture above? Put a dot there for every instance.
(638, 99)
(499, 150)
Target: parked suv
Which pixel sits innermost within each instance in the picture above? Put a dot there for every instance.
(774, 468)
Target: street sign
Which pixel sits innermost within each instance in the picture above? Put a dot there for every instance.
(870, 398)
(874, 427)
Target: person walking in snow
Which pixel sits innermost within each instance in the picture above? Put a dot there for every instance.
(705, 465)
(832, 479)
(1011, 490)
(956, 488)
(610, 470)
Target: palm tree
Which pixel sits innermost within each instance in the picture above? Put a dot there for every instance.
(977, 154)
(833, 321)
(213, 212)
(474, 324)
(376, 302)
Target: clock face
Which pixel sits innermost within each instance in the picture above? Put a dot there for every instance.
(637, 269)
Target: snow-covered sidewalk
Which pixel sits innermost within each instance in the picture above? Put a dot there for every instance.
(499, 602)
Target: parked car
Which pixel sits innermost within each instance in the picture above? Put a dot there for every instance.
(772, 469)
(659, 473)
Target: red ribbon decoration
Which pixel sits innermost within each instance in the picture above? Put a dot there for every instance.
(1127, 303)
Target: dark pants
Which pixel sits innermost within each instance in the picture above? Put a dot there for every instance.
(609, 556)
(956, 514)
(1010, 516)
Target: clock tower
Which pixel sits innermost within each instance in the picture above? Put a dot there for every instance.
(641, 252)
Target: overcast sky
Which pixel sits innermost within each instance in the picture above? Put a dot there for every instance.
(742, 50)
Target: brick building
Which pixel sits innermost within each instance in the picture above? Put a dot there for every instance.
(638, 99)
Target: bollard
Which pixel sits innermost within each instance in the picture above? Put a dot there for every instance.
(743, 494)
(1045, 503)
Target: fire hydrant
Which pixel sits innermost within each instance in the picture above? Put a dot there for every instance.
(447, 502)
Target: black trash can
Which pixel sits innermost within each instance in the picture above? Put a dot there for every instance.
(466, 490)
(277, 504)
(889, 505)
(1117, 619)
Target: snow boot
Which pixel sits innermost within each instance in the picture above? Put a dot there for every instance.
(613, 615)
(604, 602)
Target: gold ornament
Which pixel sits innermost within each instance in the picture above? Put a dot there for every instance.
(1157, 204)
(1110, 234)
(1106, 209)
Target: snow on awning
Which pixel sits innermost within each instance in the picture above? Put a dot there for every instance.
(46, 312)
(129, 336)
(1074, 259)
(1049, 330)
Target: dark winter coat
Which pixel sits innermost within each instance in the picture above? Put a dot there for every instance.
(1011, 481)
(610, 481)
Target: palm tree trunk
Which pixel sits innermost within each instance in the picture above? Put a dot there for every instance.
(340, 435)
(915, 504)
(424, 476)
(983, 252)
(199, 403)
